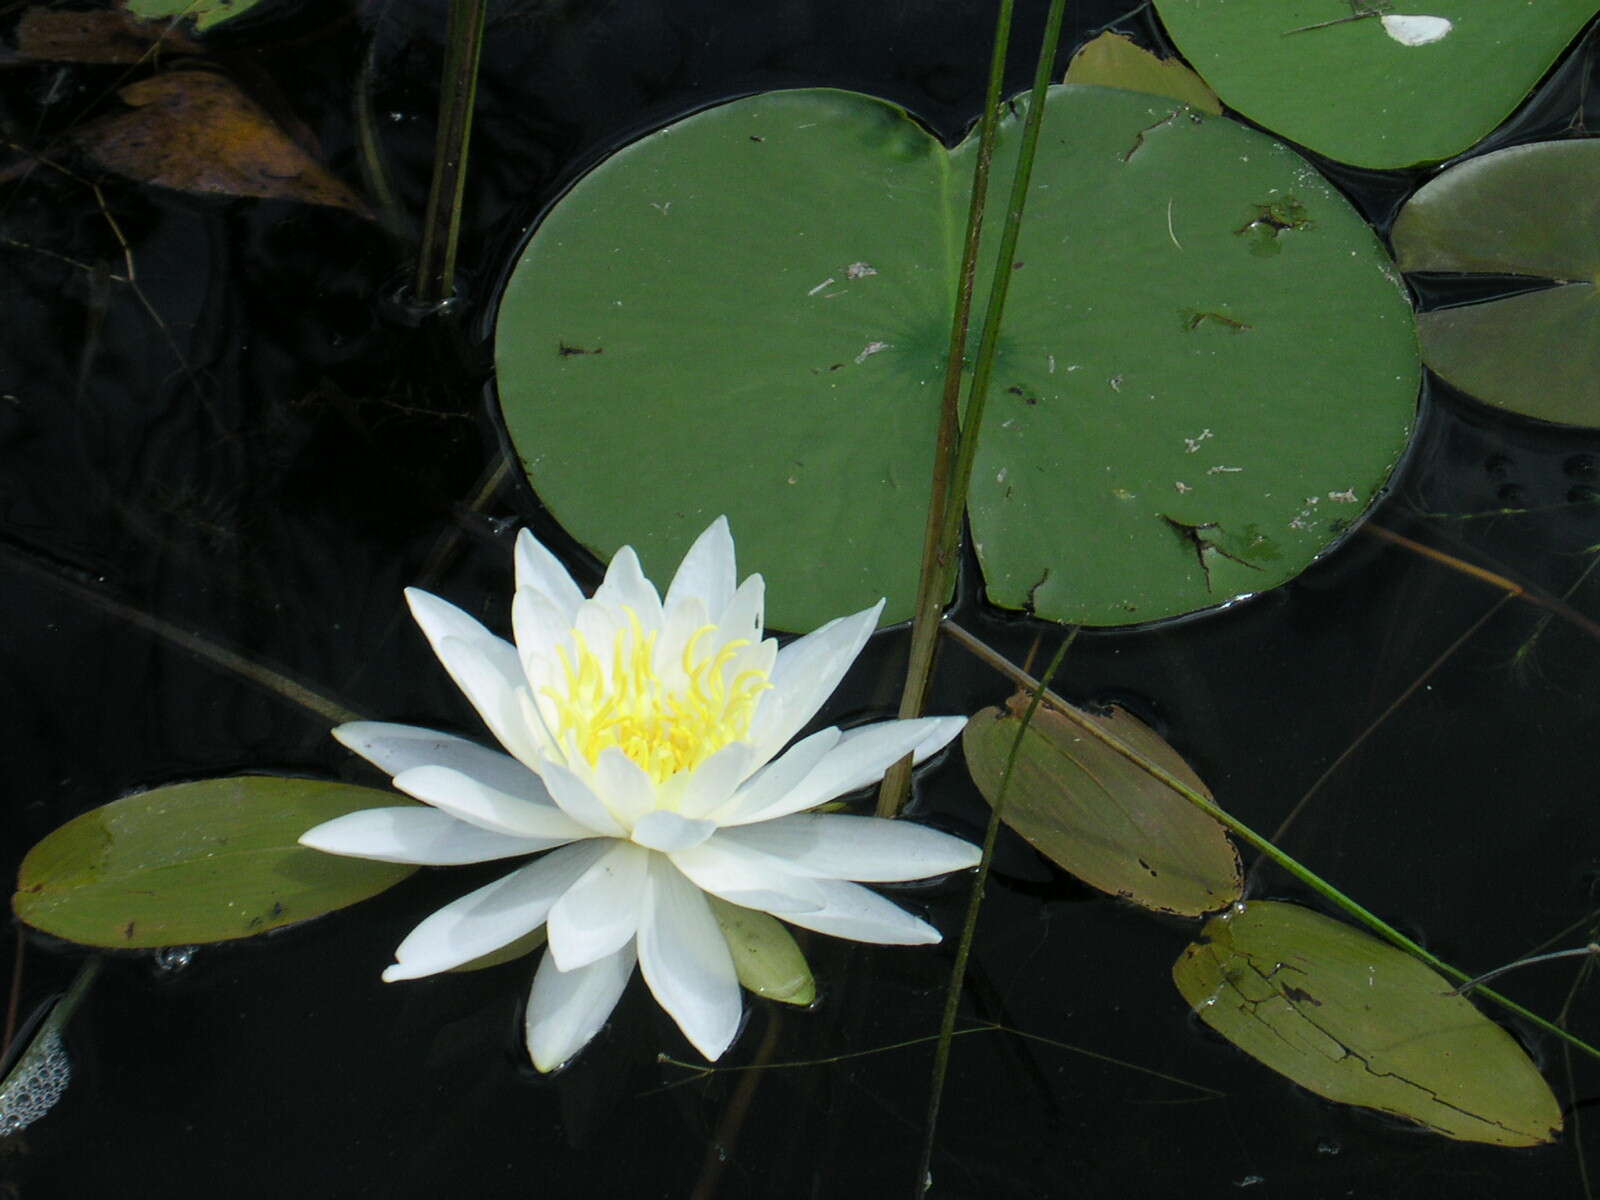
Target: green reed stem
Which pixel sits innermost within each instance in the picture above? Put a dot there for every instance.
(969, 927)
(441, 230)
(958, 437)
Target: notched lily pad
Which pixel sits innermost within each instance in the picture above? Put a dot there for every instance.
(1207, 372)
(198, 862)
(1093, 813)
(1358, 1021)
(1530, 211)
(1364, 84)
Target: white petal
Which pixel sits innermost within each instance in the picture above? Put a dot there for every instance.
(599, 914)
(567, 1008)
(680, 621)
(440, 619)
(805, 674)
(489, 918)
(670, 831)
(854, 912)
(780, 777)
(623, 786)
(711, 784)
(578, 800)
(540, 570)
(416, 835)
(495, 694)
(625, 587)
(538, 625)
(748, 878)
(397, 748)
(1415, 31)
(860, 757)
(707, 571)
(476, 803)
(745, 615)
(834, 846)
(685, 960)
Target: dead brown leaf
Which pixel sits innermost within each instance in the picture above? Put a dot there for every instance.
(195, 131)
(97, 37)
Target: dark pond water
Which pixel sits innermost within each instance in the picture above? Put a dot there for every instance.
(253, 450)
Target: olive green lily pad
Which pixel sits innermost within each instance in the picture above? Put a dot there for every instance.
(1386, 89)
(1207, 371)
(197, 862)
(1115, 60)
(1532, 211)
(1358, 1021)
(204, 13)
(1094, 813)
(766, 957)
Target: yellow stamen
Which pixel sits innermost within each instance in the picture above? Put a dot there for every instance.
(620, 700)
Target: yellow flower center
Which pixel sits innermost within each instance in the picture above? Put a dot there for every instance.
(619, 700)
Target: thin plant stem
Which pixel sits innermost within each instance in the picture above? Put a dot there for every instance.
(933, 587)
(969, 927)
(436, 261)
(1592, 950)
(1521, 590)
(939, 569)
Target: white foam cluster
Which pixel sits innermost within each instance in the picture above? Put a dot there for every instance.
(36, 1084)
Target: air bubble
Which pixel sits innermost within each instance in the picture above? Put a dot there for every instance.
(173, 959)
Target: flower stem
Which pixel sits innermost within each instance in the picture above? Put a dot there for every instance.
(436, 261)
(969, 928)
(958, 436)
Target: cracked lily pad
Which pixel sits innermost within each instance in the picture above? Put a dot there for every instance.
(1374, 84)
(1207, 371)
(1093, 813)
(1358, 1021)
(1529, 211)
(198, 862)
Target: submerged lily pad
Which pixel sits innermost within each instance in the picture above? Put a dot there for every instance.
(1384, 89)
(204, 13)
(1207, 371)
(1358, 1021)
(198, 862)
(1529, 210)
(1093, 813)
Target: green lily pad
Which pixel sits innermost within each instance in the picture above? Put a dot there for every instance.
(1207, 371)
(204, 13)
(197, 862)
(1358, 1021)
(1115, 60)
(766, 957)
(1093, 813)
(1529, 210)
(1354, 89)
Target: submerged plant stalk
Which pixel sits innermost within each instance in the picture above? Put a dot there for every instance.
(436, 260)
(969, 927)
(958, 439)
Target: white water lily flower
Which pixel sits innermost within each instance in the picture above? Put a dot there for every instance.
(644, 738)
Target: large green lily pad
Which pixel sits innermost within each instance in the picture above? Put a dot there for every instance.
(1358, 1021)
(1207, 371)
(1354, 89)
(198, 862)
(1529, 210)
